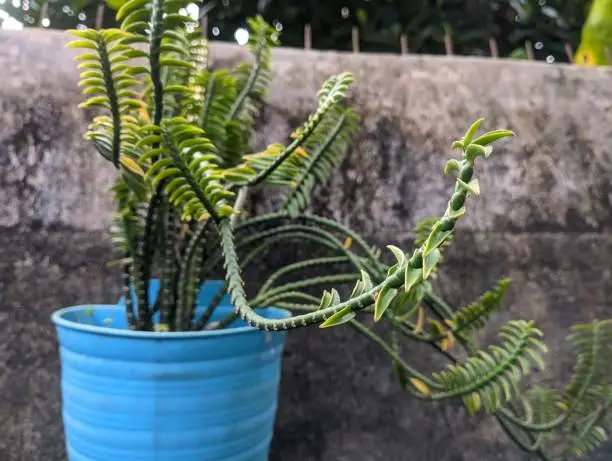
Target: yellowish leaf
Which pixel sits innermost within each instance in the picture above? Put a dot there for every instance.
(347, 242)
(131, 165)
(420, 386)
(563, 406)
(301, 152)
(418, 328)
(144, 115)
(185, 230)
(437, 326)
(448, 342)
(473, 402)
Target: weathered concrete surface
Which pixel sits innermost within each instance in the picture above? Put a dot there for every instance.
(544, 219)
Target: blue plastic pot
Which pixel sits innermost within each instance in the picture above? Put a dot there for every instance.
(144, 396)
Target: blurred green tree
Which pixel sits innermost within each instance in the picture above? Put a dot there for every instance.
(548, 24)
(59, 14)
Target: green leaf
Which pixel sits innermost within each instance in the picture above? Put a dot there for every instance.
(326, 300)
(96, 101)
(458, 145)
(492, 136)
(171, 62)
(474, 150)
(436, 239)
(367, 281)
(473, 402)
(86, 44)
(452, 165)
(116, 4)
(454, 214)
(429, 262)
(340, 317)
(467, 138)
(87, 57)
(420, 386)
(358, 290)
(362, 16)
(383, 301)
(398, 253)
(88, 34)
(335, 297)
(412, 276)
(473, 186)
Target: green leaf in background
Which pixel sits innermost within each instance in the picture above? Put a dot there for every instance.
(362, 16)
(115, 4)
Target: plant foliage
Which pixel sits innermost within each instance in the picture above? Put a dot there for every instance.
(178, 135)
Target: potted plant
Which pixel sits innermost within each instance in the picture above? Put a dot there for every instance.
(187, 367)
(169, 372)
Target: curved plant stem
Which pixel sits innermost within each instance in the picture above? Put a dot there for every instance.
(210, 309)
(313, 282)
(298, 266)
(234, 282)
(365, 331)
(155, 39)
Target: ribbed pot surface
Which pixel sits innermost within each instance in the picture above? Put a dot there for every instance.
(194, 396)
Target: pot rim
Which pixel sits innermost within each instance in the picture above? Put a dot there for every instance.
(58, 319)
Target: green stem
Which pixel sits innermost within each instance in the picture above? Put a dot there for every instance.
(542, 427)
(300, 266)
(439, 305)
(272, 300)
(241, 198)
(299, 230)
(365, 331)
(111, 93)
(188, 282)
(297, 307)
(308, 307)
(207, 101)
(129, 307)
(251, 80)
(319, 221)
(395, 346)
(270, 242)
(148, 252)
(168, 285)
(313, 282)
(210, 309)
(155, 39)
(529, 448)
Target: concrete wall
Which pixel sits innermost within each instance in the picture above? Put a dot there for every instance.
(544, 219)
